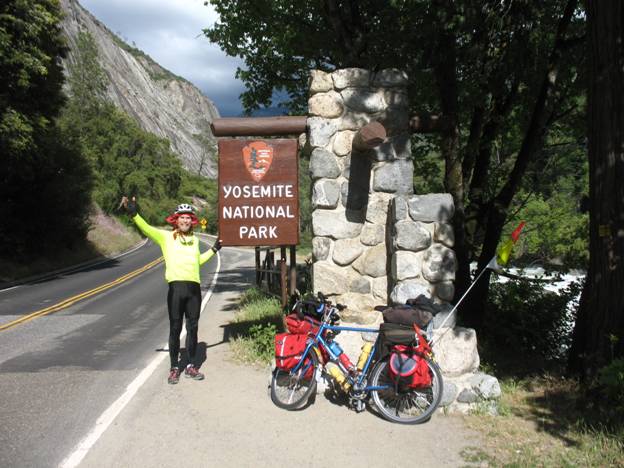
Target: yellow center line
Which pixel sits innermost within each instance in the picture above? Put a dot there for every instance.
(78, 297)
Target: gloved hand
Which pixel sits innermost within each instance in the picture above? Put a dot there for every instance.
(130, 205)
(217, 246)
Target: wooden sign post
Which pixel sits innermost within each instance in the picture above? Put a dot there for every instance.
(258, 192)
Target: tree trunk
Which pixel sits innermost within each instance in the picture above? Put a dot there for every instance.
(474, 306)
(599, 330)
(445, 70)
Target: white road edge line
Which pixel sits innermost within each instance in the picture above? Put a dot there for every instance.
(109, 415)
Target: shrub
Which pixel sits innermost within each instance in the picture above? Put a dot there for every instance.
(611, 380)
(254, 327)
(533, 323)
(262, 341)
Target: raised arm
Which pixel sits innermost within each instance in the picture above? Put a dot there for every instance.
(155, 234)
(207, 255)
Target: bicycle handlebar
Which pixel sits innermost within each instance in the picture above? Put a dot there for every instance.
(330, 310)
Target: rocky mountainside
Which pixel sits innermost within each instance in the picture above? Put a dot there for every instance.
(161, 102)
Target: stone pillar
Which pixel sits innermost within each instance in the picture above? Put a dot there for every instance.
(352, 190)
(375, 242)
(423, 261)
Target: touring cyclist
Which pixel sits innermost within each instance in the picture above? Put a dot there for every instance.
(180, 248)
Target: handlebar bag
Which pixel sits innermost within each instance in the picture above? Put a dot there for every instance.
(310, 308)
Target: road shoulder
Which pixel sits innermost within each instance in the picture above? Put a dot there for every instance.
(229, 420)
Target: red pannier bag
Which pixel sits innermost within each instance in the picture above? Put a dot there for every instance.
(289, 348)
(407, 366)
(304, 326)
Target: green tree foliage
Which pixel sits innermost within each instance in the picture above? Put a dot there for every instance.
(535, 323)
(504, 78)
(30, 84)
(125, 159)
(87, 79)
(305, 203)
(44, 181)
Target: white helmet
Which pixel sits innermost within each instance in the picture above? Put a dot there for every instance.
(184, 208)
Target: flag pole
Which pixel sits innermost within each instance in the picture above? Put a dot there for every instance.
(503, 253)
(491, 263)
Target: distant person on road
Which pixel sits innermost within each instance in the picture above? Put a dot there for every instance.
(180, 248)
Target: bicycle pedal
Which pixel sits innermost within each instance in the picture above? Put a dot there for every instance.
(358, 405)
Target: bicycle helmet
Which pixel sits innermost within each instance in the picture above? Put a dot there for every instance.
(184, 208)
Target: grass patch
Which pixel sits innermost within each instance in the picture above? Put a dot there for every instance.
(254, 327)
(108, 236)
(545, 421)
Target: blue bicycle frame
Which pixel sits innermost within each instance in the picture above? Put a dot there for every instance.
(318, 338)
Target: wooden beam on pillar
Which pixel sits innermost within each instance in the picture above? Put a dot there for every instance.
(369, 136)
(259, 126)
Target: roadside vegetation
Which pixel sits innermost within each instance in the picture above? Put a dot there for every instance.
(254, 327)
(548, 421)
(544, 417)
(69, 154)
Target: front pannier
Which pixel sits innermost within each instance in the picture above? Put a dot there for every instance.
(289, 349)
(302, 326)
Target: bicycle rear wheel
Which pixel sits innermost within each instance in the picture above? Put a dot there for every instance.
(407, 406)
(291, 390)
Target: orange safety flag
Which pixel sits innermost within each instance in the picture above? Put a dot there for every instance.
(502, 256)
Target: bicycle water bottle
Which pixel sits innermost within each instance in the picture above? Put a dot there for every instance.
(338, 376)
(342, 357)
(366, 350)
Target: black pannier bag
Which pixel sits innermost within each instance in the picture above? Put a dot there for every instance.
(417, 311)
(391, 334)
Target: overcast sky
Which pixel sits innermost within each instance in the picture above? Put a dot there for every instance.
(170, 31)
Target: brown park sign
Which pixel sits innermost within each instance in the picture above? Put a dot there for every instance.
(258, 192)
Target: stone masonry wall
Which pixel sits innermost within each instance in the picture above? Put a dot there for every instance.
(375, 242)
(351, 189)
(423, 261)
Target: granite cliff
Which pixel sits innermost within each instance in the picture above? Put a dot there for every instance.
(161, 102)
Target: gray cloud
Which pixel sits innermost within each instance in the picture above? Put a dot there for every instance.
(170, 31)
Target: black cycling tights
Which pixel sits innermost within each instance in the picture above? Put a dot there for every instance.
(183, 300)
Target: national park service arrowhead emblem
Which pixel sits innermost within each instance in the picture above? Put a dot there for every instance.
(258, 157)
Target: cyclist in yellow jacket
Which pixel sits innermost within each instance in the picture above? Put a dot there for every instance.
(180, 248)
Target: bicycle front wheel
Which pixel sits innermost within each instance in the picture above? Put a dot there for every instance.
(405, 406)
(291, 390)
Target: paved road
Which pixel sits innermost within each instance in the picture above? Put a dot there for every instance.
(59, 372)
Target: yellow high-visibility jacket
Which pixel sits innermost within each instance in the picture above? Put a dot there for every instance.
(182, 255)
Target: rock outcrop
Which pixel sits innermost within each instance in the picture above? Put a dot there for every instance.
(161, 102)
